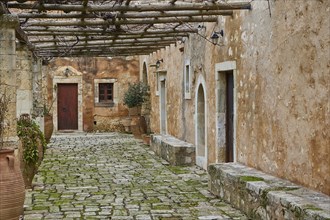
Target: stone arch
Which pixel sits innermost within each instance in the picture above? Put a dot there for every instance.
(201, 123)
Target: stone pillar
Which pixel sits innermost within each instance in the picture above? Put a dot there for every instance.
(38, 97)
(8, 23)
(23, 80)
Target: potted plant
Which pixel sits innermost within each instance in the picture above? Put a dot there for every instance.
(134, 97)
(11, 181)
(33, 147)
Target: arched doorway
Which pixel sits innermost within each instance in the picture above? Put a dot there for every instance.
(201, 148)
(145, 73)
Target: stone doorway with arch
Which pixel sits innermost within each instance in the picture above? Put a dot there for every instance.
(201, 123)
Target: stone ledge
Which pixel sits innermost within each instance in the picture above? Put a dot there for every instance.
(262, 196)
(173, 150)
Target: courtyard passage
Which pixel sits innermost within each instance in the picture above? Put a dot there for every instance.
(114, 176)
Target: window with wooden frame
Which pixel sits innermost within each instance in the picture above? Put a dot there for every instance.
(106, 92)
(187, 79)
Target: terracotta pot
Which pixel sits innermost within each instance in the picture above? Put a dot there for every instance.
(11, 186)
(127, 124)
(146, 139)
(135, 111)
(48, 127)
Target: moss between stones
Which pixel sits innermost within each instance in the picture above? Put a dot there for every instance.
(161, 207)
(40, 208)
(189, 204)
(178, 170)
(152, 200)
(311, 207)
(193, 182)
(250, 178)
(197, 196)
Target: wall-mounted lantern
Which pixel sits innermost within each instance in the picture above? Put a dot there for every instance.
(215, 36)
(66, 72)
(158, 63)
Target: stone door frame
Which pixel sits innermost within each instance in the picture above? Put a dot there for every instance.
(220, 137)
(63, 80)
(162, 77)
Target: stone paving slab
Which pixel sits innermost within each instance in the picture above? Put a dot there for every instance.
(114, 176)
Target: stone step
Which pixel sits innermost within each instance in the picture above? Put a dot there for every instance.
(262, 196)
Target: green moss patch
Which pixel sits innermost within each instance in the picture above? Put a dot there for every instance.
(40, 208)
(311, 207)
(178, 170)
(162, 207)
(250, 178)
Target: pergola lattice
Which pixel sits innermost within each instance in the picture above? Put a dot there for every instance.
(55, 28)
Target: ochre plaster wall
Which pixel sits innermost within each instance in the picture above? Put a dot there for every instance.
(283, 90)
(281, 86)
(122, 70)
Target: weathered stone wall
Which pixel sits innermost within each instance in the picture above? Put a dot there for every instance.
(8, 23)
(121, 71)
(281, 89)
(24, 62)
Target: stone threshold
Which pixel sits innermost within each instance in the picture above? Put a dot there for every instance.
(173, 150)
(261, 196)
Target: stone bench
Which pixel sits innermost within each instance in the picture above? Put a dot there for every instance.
(262, 196)
(173, 150)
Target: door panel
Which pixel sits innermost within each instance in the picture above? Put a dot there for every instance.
(67, 106)
(163, 106)
(229, 117)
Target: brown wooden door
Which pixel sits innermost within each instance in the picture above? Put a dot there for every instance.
(229, 116)
(67, 106)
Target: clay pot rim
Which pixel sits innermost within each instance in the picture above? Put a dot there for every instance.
(6, 150)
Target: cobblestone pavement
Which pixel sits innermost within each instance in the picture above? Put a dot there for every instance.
(114, 176)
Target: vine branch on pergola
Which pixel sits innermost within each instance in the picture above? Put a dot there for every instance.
(112, 27)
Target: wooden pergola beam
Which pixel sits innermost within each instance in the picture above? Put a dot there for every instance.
(109, 44)
(121, 22)
(138, 8)
(95, 46)
(130, 15)
(99, 30)
(105, 39)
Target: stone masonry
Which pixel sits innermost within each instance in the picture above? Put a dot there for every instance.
(173, 150)
(265, 197)
(114, 176)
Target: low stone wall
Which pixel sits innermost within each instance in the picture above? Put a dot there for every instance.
(173, 150)
(262, 196)
(108, 124)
